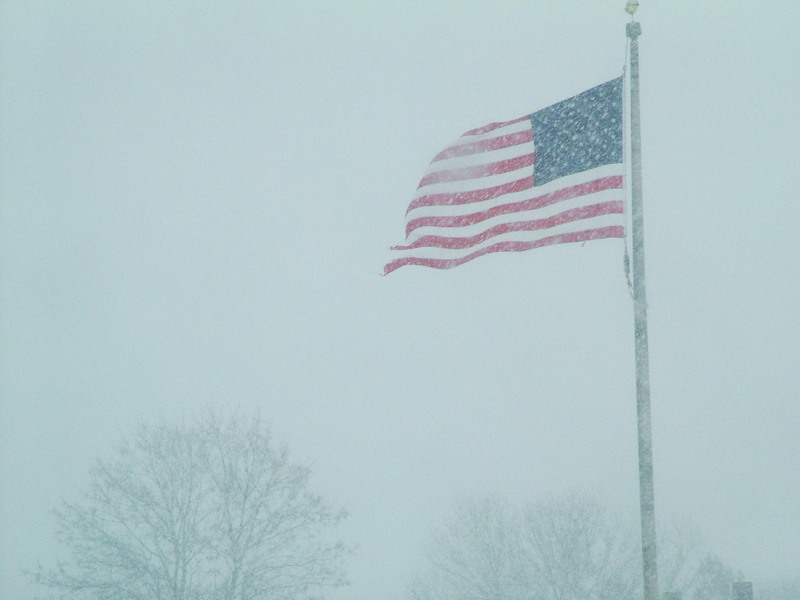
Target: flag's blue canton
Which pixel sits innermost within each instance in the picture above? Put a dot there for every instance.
(579, 133)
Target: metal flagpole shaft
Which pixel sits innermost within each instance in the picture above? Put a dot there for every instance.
(646, 494)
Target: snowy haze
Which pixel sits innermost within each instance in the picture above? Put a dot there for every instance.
(197, 200)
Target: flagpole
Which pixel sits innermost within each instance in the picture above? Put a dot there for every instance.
(646, 493)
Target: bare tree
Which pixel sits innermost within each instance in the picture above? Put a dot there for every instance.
(713, 580)
(563, 548)
(578, 550)
(680, 550)
(211, 511)
(476, 555)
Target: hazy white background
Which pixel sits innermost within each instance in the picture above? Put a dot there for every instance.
(197, 199)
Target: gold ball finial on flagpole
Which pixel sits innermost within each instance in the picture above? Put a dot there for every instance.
(631, 7)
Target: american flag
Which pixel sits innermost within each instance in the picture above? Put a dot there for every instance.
(551, 177)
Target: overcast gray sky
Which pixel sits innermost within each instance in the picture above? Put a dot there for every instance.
(197, 199)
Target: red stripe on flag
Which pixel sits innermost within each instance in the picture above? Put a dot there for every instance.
(495, 168)
(612, 231)
(473, 196)
(596, 185)
(568, 216)
(503, 141)
(493, 126)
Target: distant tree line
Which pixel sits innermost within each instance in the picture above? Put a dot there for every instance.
(216, 510)
(563, 548)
